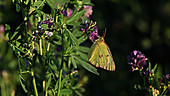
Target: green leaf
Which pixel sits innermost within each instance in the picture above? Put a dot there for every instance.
(17, 43)
(87, 66)
(19, 37)
(77, 32)
(83, 49)
(73, 62)
(64, 80)
(75, 24)
(83, 56)
(155, 67)
(72, 37)
(48, 83)
(7, 27)
(82, 39)
(56, 85)
(149, 66)
(23, 83)
(65, 91)
(38, 4)
(52, 3)
(137, 87)
(17, 7)
(7, 36)
(26, 2)
(76, 16)
(15, 33)
(45, 26)
(70, 49)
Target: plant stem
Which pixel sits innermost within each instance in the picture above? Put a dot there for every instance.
(40, 46)
(34, 84)
(48, 47)
(59, 84)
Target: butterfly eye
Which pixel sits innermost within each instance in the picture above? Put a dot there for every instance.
(107, 55)
(100, 56)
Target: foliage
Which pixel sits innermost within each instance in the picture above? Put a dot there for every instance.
(48, 46)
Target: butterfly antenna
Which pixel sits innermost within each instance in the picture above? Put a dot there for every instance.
(104, 33)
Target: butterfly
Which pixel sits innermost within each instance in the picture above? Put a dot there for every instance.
(100, 55)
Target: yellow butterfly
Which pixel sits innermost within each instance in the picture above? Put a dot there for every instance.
(100, 56)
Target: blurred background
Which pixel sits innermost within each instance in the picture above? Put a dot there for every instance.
(131, 25)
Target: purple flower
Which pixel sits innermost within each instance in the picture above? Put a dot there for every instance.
(148, 73)
(93, 36)
(164, 81)
(89, 10)
(136, 60)
(67, 13)
(95, 28)
(85, 27)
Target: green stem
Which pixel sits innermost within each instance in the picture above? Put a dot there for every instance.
(48, 47)
(62, 61)
(163, 92)
(40, 46)
(59, 84)
(34, 84)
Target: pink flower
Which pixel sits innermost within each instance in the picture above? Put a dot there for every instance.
(89, 10)
(93, 36)
(2, 28)
(67, 13)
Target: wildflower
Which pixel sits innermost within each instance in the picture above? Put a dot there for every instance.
(95, 29)
(148, 73)
(85, 28)
(136, 60)
(48, 33)
(89, 10)
(93, 36)
(165, 81)
(2, 29)
(67, 13)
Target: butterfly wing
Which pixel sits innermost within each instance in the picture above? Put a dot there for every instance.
(111, 64)
(98, 54)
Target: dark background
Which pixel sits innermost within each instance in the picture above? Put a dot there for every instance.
(142, 25)
(131, 25)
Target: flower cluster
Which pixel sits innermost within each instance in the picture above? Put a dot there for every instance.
(41, 30)
(89, 10)
(91, 29)
(165, 81)
(136, 60)
(67, 13)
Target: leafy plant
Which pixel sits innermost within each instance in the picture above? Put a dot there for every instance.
(49, 45)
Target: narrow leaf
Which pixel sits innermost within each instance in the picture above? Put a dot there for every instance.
(155, 67)
(23, 83)
(73, 62)
(76, 16)
(38, 4)
(15, 33)
(87, 66)
(51, 3)
(65, 91)
(149, 66)
(7, 36)
(17, 7)
(72, 37)
(48, 83)
(83, 49)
